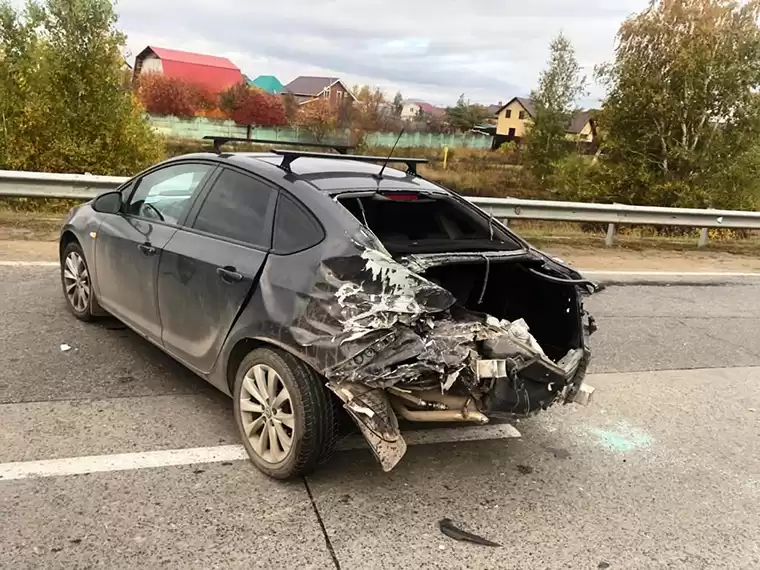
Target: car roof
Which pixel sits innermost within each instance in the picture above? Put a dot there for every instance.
(326, 174)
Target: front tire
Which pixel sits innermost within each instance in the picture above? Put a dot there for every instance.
(76, 282)
(283, 412)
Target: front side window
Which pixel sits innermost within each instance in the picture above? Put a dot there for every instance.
(508, 113)
(165, 195)
(523, 115)
(238, 207)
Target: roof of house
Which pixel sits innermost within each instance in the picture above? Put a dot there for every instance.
(217, 73)
(579, 122)
(526, 103)
(313, 86)
(309, 85)
(268, 83)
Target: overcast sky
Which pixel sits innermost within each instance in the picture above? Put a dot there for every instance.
(433, 50)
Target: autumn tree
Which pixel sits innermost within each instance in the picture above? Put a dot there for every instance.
(291, 107)
(464, 115)
(370, 110)
(682, 115)
(63, 105)
(560, 86)
(251, 107)
(317, 118)
(162, 95)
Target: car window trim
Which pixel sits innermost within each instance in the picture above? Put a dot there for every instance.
(193, 199)
(201, 200)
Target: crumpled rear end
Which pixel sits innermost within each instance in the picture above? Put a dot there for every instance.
(393, 344)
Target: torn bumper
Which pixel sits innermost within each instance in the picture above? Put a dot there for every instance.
(522, 387)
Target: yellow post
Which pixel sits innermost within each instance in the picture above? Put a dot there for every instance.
(445, 156)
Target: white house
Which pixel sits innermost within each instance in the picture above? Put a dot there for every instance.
(412, 107)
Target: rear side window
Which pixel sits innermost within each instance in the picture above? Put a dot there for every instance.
(295, 229)
(238, 207)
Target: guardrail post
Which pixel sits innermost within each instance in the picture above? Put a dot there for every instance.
(703, 237)
(609, 241)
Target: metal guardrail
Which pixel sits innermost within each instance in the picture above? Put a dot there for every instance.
(49, 185)
(86, 186)
(616, 214)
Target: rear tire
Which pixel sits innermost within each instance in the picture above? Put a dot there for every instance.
(284, 413)
(77, 284)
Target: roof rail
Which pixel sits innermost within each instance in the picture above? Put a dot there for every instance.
(288, 156)
(219, 141)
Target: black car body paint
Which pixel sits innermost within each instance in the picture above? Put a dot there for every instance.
(364, 319)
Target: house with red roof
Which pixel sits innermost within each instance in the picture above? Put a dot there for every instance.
(214, 73)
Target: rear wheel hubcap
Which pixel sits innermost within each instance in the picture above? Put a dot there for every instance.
(266, 411)
(76, 282)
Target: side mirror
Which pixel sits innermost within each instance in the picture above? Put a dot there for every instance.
(108, 203)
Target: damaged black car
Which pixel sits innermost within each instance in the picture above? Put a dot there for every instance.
(309, 286)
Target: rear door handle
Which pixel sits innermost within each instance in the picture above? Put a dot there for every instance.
(147, 249)
(229, 274)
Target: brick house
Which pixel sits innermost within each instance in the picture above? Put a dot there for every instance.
(307, 88)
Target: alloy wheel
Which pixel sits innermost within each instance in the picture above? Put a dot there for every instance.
(266, 411)
(76, 282)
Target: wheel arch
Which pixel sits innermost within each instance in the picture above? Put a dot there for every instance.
(246, 344)
(67, 237)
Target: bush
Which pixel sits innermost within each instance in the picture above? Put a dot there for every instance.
(575, 179)
(251, 106)
(507, 148)
(515, 182)
(163, 95)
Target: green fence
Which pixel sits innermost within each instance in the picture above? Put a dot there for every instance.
(200, 127)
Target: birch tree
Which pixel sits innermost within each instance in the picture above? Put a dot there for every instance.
(682, 113)
(560, 85)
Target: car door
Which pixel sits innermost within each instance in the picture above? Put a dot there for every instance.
(128, 245)
(209, 267)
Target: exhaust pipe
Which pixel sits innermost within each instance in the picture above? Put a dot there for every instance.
(460, 415)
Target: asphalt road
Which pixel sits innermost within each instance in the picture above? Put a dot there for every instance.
(661, 471)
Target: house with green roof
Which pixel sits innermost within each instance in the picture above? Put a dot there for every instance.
(268, 83)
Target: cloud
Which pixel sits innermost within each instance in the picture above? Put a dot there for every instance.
(491, 50)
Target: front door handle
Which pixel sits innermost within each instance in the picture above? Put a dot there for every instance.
(147, 249)
(229, 274)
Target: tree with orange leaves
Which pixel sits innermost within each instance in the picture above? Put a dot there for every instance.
(317, 118)
(250, 106)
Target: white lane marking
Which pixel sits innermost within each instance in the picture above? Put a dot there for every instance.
(217, 454)
(29, 264)
(119, 462)
(668, 273)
